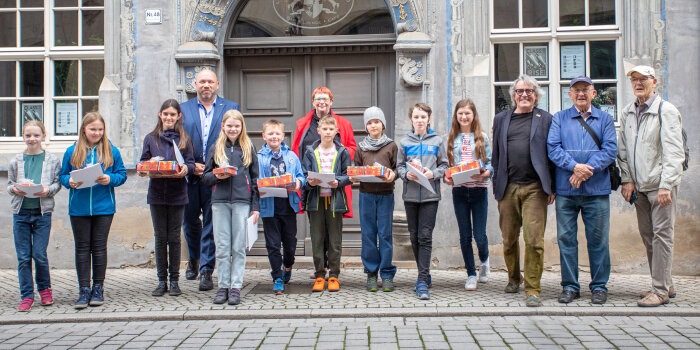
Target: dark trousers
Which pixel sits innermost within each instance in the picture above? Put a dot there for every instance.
(471, 205)
(90, 235)
(280, 233)
(31, 232)
(326, 228)
(199, 233)
(167, 222)
(421, 222)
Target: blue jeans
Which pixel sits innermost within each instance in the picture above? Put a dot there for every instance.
(31, 231)
(376, 216)
(595, 212)
(230, 236)
(471, 205)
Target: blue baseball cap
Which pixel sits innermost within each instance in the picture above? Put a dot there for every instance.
(581, 78)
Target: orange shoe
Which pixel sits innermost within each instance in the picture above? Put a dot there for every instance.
(319, 284)
(333, 284)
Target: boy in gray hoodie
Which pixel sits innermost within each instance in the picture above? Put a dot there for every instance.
(424, 148)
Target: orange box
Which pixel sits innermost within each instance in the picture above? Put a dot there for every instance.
(375, 170)
(356, 170)
(167, 167)
(267, 182)
(463, 167)
(147, 166)
(231, 170)
(285, 180)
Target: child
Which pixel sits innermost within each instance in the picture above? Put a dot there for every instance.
(92, 209)
(326, 205)
(279, 214)
(233, 200)
(467, 143)
(167, 194)
(31, 217)
(422, 146)
(377, 201)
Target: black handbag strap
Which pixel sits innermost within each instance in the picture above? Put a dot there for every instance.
(590, 131)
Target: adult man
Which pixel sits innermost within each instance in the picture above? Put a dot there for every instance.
(522, 184)
(202, 121)
(582, 185)
(650, 157)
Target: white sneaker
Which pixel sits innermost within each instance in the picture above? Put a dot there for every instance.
(484, 271)
(471, 283)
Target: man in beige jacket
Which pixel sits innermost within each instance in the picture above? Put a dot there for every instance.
(650, 156)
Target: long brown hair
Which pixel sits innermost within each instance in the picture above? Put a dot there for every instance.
(243, 140)
(456, 128)
(179, 127)
(104, 149)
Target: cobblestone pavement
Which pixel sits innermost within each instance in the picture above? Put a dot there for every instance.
(514, 332)
(128, 298)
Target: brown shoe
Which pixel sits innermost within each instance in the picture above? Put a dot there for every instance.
(671, 293)
(653, 300)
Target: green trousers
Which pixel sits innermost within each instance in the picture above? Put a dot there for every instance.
(326, 225)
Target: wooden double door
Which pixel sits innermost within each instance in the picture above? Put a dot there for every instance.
(280, 86)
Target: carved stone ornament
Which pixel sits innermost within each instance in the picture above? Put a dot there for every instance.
(191, 74)
(411, 71)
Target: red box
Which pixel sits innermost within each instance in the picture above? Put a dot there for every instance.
(231, 170)
(167, 168)
(356, 170)
(267, 182)
(375, 170)
(147, 166)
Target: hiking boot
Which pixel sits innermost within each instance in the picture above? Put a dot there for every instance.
(388, 284)
(533, 300)
(221, 296)
(599, 297)
(97, 295)
(671, 293)
(161, 289)
(205, 282)
(286, 275)
(319, 284)
(234, 296)
(174, 289)
(46, 297)
(333, 284)
(26, 304)
(484, 271)
(83, 298)
(471, 283)
(653, 300)
(371, 283)
(278, 287)
(568, 296)
(422, 290)
(192, 269)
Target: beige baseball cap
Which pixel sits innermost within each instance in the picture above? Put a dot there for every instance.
(643, 70)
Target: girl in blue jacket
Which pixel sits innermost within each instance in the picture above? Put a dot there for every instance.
(167, 194)
(91, 209)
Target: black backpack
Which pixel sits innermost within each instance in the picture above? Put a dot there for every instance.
(686, 150)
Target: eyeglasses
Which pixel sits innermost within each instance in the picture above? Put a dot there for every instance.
(581, 91)
(526, 92)
(639, 80)
(322, 99)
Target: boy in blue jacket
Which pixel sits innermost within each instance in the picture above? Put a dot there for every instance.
(275, 158)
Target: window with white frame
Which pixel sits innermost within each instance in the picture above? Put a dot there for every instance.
(51, 63)
(555, 41)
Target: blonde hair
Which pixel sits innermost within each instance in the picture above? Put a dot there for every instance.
(243, 140)
(104, 149)
(273, 123)
(39, 125)
(329, 119)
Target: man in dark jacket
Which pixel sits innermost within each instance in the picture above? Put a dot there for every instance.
(202, 120)
(583, 185)
(523, 184)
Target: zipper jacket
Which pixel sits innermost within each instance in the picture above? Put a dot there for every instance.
(650, 153)
(50, 170)
(240, 188)
(167, 191)
(311, 195)
(430, 150)
(293, 166)
(457, 149)
(98, 199)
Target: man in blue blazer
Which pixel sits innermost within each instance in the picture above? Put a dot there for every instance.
(202, 120)
(523, 184)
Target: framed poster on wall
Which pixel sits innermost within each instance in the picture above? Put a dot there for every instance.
(536, 62)
(573, 61)
(32, 111)
(66, 118)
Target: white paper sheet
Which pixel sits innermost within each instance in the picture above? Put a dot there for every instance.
(325, 178)
(422, 180)
(251, 232)
(87, 175)
(30, 190)
(465, 176)
(369, 178)
(273, 192)
(178, 155)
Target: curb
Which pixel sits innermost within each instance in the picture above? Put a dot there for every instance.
(199, 315)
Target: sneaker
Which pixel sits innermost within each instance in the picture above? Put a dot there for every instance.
(388, 284)
(174, 289)
(221, 296)
(278, 287)
(333, 284)
(671, 293)
(46, 297)
(83, 298)
(97, 295)
(471, 283)
(26, 304)
(512, 288)
(234, 296)
(533, 300)
(319, 285)
(161, 289)
(286, 275)
(371, 283)
(484, 271)
(422, 290)
(653, 300)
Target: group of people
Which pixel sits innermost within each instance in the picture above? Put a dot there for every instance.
(534, 158)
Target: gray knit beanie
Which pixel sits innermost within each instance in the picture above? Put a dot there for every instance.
(374, 112)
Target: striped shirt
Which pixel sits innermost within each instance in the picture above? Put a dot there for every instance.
(468, 156)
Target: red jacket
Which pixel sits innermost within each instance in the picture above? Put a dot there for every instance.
(347, 138)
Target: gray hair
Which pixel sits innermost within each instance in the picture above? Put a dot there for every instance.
(529, 81)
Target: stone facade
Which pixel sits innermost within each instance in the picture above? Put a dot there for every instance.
(443, 54)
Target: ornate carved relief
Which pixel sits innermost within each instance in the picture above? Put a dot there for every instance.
(411, 71)
(412, 44)
(190, 74)
(128, 69)
(455, 47)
